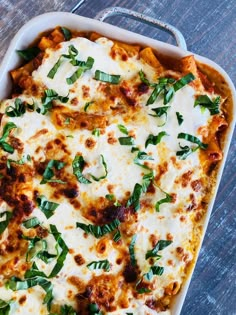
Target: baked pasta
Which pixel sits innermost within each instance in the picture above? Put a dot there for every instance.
(108, 160)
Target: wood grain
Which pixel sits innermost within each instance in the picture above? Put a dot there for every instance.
(209, 29)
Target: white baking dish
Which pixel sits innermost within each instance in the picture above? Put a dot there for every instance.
(30, 31)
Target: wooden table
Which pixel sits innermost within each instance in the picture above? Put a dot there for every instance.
(209, 28)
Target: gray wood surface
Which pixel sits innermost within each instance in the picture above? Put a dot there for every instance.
(209, 28)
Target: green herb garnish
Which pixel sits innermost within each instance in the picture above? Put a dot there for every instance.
(47, 101)
(83, 67)
(32, 222)
(126, 140)
(66, 33)
(186, 150)
(179, 118)
(161, 244)
(86, 106)
(167, 199)
(155, 139)
(7, 215)
(48, 173)
(29, 53)
(135, 197)
(205, 102)
(123, 129)
(105, 77)
(78, 165)
(16, 111)
(96, 132)
(131, 250)
(100, 264)
(46, 206)
(5, 133)
(5, 307)
(99, 230)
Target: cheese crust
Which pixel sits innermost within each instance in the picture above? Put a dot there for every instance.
(115, 179)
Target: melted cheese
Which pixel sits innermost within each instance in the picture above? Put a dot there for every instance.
(173, 221)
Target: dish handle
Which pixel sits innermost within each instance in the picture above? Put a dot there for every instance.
(173, 31)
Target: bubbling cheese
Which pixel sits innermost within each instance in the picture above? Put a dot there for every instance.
(175, 220)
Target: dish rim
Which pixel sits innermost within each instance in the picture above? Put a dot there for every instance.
(49, 20)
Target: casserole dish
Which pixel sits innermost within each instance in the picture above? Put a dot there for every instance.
(48, 21)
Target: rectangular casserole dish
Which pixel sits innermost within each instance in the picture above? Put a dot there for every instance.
(28, 33)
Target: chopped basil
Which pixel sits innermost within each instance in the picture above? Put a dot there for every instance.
(123, 129)
(159, 87)
(78, 165)
(205, 102)
(7, 215)
(100, 264)
(29, 53)
(66, 33)
(32, 222)
(186, 150)
(86, 106)
(160, 111)
(144, 79)
(193, 139)
(96, 132)
(87, 66)
(179, 118)
(65, 310)
(170, 91)
(97, 179)
(105, 77)
(147, 178)
(117, 204)
(154, 270)
(134, 149)
(155, 139)
(183, 81)
(135, 197)
(64, 251)
(16, 111)
(110, 197)
(67, 121)
(131, 250)
(154, 95)
(126, 140)
(46, 206)
(99, 230)
(49, 96)
(19, 162)
(48, 173)
(54, 69)
(143, 290)
(34, 272)
(5, 133)
(142, 156)
(167, 86)
(161, 244)
(32, 251)
(72, 53)
(167, 199)
(93, 309)
(45, 256)
(16, 284)
(5, 307)
(117, 236)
